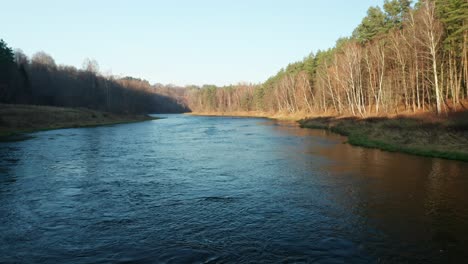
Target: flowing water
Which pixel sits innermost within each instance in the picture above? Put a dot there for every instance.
(215, 189)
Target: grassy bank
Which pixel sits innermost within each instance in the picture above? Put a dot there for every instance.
(17, 119)
(425, 135)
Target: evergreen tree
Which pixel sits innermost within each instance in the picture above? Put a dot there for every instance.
(372, 25)
(6, 54)
(396, 11)
(6, 68)
(454, 16)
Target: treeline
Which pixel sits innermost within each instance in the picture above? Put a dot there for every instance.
(403, 57)
(40, 81)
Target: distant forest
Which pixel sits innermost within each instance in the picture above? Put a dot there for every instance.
(40, 81)
(403, 58)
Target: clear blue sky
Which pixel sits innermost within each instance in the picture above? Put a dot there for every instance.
(181, 42)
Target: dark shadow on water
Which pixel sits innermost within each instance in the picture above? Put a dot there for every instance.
(17, 137)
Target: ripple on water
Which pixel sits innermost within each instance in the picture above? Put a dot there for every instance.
(224, 190)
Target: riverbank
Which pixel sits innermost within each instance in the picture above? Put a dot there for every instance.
(18, 119)
(426, 134)
(278, 116)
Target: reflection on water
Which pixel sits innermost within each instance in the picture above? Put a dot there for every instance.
(419, 202)
(207, 189)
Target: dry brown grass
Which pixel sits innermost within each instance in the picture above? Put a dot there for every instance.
(16, 119)
(424, 134)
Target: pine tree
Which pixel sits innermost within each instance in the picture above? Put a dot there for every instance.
(6, 55)
(396, 11)
(372, 25)
(6, 62)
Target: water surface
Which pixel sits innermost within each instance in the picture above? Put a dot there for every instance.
(217, 190)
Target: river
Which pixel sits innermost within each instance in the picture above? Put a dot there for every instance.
(187, 189)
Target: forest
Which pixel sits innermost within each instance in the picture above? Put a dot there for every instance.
(40, 81)
(404, 57)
